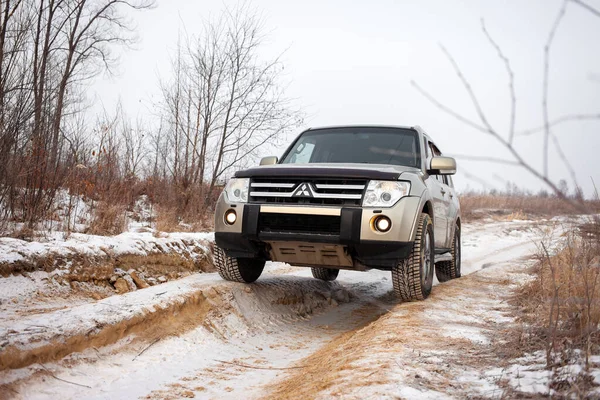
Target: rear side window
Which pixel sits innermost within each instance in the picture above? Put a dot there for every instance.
(445, 179)
(434, 150)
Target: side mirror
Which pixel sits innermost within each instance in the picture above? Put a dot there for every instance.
(442, 166)
(269, 160)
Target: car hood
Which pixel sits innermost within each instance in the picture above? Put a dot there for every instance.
(349, 171)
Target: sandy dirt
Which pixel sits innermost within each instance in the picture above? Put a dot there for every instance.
(286, 336)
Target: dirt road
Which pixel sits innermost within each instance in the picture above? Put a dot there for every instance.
(287, 336)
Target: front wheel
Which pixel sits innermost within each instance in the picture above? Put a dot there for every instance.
(446, 270)
(412, 278)
(325, 274)
(244, 270)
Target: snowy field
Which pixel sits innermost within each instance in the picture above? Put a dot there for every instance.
(286, 336)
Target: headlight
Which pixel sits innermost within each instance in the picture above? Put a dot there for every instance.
(237, 190)
(385, 193)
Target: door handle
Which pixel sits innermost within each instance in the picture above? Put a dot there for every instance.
(451, 196)
(443, 191)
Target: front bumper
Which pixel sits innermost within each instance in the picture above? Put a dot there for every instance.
(244, 239)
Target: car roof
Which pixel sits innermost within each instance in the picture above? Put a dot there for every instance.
(415, 127)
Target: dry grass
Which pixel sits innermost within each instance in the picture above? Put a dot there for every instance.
(476, 206)
(176, 209)
(167, 220)
(562, 304)
(109, 219)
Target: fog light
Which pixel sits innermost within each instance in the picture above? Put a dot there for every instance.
(382, 223)
(230, 217)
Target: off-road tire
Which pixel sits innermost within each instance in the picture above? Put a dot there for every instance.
(325, 274)
(446, 270)
(410, 278)
(244, 270)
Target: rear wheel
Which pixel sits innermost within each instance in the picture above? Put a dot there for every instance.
(412, 278)
(446, 270)
(325, 274)
(244, 270)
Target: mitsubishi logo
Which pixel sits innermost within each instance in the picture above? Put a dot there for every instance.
(303, 190)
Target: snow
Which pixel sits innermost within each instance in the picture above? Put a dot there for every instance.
(139, 243)
(142, 214)
(240, 335)
(61, 281)
(466, 332)
(87, 318)
(14, 286)
(280, 320)
(488, 244)
(528, 374)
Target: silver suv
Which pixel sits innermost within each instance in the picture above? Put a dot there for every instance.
(348, 197)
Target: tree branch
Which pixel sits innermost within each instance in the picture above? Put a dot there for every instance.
(63, 380)
(559, 121)
(484, 158)
(511, 82)
(447, 109)
(469, 89)
(591, 9)
(487, 128)
(547, 47)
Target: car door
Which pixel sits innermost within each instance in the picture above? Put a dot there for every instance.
(453, 209)
(441, 203)
(450, 201)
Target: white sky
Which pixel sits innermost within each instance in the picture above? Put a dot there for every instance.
(351, 62)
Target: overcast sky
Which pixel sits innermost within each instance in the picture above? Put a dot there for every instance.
(351, 62)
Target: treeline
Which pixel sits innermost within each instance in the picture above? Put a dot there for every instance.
(220, 104)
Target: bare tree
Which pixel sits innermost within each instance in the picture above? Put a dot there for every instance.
(48, 50)
(157, 150)
(255, 110)
(135, 146)
(507, 139)
(223, 102)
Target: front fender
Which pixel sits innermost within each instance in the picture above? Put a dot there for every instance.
(420, 191)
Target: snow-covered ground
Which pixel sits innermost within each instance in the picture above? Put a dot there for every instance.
(286, 336)
(139, 243)
(35, 268)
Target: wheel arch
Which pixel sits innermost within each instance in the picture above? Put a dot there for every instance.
(425, 206)
(428, 208)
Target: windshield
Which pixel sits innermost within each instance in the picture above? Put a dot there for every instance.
(370, 145)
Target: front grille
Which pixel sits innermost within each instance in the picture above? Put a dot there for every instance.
(298, 223)
(348, 192)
